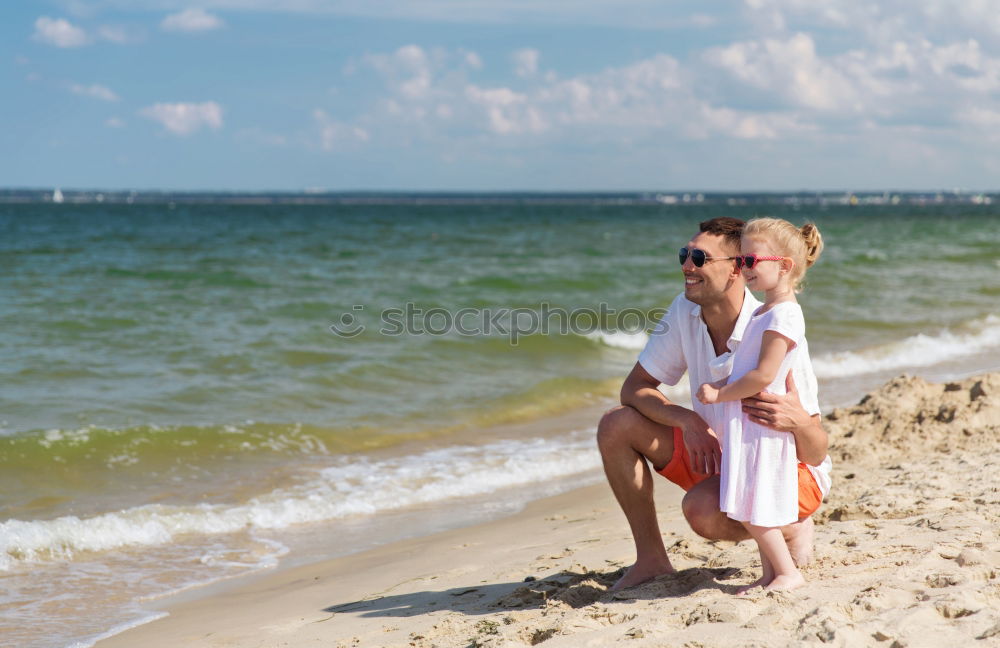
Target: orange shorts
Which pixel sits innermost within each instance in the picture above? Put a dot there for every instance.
(679, 471)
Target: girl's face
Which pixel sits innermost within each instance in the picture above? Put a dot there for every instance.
(764, 275)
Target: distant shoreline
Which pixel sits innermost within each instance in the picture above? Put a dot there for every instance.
(665, 198)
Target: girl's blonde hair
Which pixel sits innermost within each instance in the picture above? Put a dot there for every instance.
(803, 245)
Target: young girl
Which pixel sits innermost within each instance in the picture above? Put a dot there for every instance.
(759, 476)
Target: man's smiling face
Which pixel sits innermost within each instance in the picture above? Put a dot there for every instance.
(709, 283)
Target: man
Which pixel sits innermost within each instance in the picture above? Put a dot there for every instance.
(698, 334)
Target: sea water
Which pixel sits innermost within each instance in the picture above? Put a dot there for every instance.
(190, 390)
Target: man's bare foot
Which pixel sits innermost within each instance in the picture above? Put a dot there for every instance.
(799, 538)
(787, 582)
(639, 573)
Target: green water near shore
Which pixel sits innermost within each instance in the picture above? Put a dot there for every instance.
(149, 335)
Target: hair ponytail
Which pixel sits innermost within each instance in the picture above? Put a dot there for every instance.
(814, 242)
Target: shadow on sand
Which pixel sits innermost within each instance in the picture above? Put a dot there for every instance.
(575, 589)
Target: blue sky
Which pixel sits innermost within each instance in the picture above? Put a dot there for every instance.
(500, 95)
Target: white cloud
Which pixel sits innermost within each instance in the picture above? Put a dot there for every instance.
(508, 111)
(443, 111)
(59, 32)
(854, 15)
(414, 59)
(648, 93)
(191, 20)
(472, 60)
(114, 122)
(741, 124)
(96, 91)
(966, 65)
(525, 62)
(408, 70)
(861, 22)
(62, 33)
(652, 95)
(982, 118)
(185, 118)
(334, 133)
(703, 20)
(790, 68)
(901, 80)
(115, 34)
(819, 73)
(975, 14)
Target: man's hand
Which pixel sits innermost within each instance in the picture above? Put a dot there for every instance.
(702, 446)
(782, 413)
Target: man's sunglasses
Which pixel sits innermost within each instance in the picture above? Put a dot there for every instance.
(699, 258)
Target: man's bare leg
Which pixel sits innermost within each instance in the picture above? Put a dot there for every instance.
(701, 509)
(799, 538)
(626, 440)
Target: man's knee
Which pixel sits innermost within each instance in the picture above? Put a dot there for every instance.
(692, 509)
(701, 509)
(612, 430)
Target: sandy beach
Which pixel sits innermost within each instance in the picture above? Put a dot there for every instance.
(907, 554)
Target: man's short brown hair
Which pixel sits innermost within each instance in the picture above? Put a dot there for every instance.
(730, 229)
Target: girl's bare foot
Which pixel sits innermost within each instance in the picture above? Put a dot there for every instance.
(763, 581)
(787, 582)
(767, 574)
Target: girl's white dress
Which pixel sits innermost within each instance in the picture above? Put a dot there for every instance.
(759, 480)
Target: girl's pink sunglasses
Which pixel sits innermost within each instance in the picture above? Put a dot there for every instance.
(750, 260)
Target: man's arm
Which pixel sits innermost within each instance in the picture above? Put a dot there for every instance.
(785, 414)
(640, 392)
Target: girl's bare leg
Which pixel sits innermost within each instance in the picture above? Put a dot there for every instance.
(765, 578)
(776, 558)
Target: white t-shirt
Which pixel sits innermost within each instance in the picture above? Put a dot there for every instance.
(680, 342)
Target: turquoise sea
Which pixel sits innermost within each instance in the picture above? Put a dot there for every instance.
(176, 408)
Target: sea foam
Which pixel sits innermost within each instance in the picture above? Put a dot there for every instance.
(353, 486)
(920, 350)
(620, 339)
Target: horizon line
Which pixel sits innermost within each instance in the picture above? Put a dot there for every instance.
(320, 191)
(661, 198)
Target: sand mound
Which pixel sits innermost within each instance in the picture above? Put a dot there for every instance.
(912, 416)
